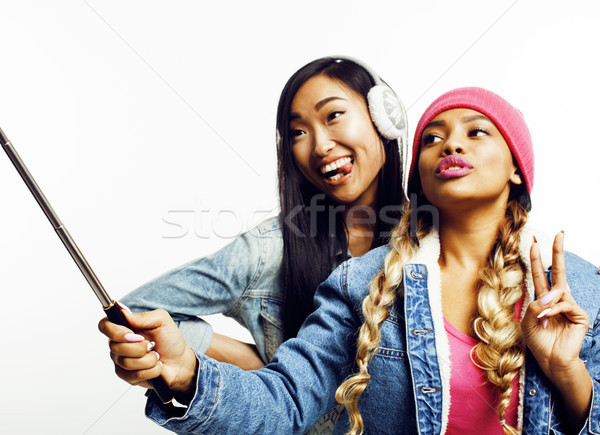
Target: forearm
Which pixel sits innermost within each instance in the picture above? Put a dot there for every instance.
(229, 350)
(576, 388)
(226, 399)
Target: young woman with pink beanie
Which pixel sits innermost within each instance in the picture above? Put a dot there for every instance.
(455, 327)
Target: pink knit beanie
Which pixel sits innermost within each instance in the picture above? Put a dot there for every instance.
(508, 120)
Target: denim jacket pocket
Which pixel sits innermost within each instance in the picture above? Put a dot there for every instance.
(392, 344)
(271, 311)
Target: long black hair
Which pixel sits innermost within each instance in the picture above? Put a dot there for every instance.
(312, 225)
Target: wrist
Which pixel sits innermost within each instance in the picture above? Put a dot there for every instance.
(571, 376)
(575, 385)
(185, 386)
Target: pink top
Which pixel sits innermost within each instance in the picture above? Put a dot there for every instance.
(473, 399)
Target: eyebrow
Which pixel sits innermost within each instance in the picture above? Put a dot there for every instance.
(474, 118)
(469, 118)
(318, 106)
(324, 101)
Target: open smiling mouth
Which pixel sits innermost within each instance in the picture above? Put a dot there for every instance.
(337, 169)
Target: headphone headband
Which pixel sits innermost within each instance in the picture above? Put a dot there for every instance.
(363, 65)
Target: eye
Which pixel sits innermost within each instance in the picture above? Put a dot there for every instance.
(478, 132)
(334, 115)
(430, 138)
(297, 132)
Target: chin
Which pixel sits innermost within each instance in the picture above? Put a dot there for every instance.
(344, 200)
(344, 197)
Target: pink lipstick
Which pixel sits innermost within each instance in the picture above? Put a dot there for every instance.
(453, 167)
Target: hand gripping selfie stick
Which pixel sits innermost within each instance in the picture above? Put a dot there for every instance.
(112, 309)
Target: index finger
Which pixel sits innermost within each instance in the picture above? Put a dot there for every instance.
(559, 274)
(113, 331)
(540, 282)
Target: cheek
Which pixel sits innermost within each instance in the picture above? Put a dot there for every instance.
(426, 165)
(371, 145)
(423, 164)
(301, 155)
(500, 163)
(357, 129)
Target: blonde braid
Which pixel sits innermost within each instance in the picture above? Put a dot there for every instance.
(382, 295)
(501, 352)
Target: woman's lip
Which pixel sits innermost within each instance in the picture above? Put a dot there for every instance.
(340, 180)
(341, 173)
(453, 166)
(323, 165)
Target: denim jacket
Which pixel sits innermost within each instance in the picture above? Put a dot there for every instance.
(410, 374)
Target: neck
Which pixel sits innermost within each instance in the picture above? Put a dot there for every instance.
(466, 238)
(361, 225)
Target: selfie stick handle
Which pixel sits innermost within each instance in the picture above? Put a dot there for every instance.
(112, 309)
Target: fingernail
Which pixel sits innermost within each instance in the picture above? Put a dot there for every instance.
(151, 346)
(544, 322)
(133, 338)
(125, 307)
(549, 297)
(534, 239)
(543, 313)
(157, 355)
(160, 362)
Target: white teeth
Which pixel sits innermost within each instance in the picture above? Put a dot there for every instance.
(334, 165)
(335, 177)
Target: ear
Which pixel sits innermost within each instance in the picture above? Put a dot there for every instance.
(515, 177)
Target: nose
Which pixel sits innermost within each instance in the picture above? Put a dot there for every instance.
(452, 146)
(322, 143)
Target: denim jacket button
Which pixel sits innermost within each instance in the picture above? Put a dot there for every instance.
(532, 392)
(427, 390)
(416, 275)
(418, 332)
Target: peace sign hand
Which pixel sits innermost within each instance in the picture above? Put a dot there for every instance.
(554, 327)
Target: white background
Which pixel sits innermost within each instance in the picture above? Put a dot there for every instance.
(127, 112)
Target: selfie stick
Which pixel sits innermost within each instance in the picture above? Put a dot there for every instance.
(112, 309)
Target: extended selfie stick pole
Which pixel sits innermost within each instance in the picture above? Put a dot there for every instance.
(112, 309)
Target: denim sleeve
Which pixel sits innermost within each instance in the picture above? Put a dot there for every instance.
(208, 285)
(288, 395)
(584, 282)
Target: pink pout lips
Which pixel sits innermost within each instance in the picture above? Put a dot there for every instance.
(453, 167)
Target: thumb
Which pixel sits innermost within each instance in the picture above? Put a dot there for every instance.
(147, 320)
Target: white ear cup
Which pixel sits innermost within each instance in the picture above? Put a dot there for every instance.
(389, 116)
(387, 112)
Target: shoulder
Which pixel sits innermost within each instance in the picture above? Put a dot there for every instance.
(267, 234)
(258, 249)
(270, 227)
(350, 280)
(371, 261)
(584, 282)
(359, 272)
(269, 230)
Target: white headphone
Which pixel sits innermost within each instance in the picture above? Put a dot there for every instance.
(388, 115)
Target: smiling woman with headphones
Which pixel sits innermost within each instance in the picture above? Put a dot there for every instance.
(341, 134)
